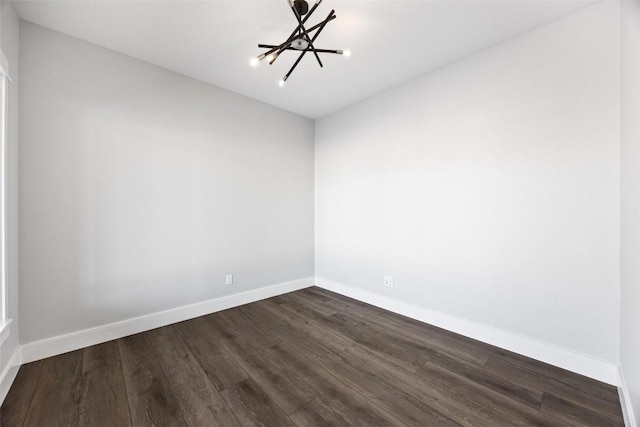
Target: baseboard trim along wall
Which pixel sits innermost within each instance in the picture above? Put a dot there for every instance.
(75, 340)
(557, 356)
(9, 373)
(625, 402)
(548, 353)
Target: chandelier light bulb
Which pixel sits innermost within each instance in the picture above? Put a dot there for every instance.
(281, 83)
(271, 57)
(254, 62)
(346, 52)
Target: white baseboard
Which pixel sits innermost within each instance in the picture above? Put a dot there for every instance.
(625, 402)
(9, 373)
(544, 352)
(73, 341)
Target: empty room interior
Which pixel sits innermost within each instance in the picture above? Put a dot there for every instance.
(320, 213)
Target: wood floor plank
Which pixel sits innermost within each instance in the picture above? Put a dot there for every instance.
(467, 403)
(582, 390)
(57, 395)
(319, 307)
(432, 337)
(151, 400)
(103, 399)
(273, 316)
(577, 415)
(407, 409)
(246, 328)
(435, 338)
(554, 386)
(432, 348)
(596, 389)
(223, 371)
(462, 411)
(306, 369)
(310, 376)
(273, 377)
(396, 349)
(298, 305)
(317, 414)
(253, 407)
(402, 405)
(503, 385)
(15, 406)
(502, 406)
(343, 400)
(199, 402)
(100, 355)
(231, 339)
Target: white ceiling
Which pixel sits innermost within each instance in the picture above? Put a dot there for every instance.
(392, 41)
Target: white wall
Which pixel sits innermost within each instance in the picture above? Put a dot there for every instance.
(9, 32)
(630, 206)
(488, 189)
(140, 188)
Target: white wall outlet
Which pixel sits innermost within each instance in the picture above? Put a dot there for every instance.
(229, 279)
(388, 281)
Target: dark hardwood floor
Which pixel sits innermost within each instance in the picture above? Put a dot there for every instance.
(308, 358)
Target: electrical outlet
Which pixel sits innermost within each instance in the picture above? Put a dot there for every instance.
(388, 281)
(229, 279)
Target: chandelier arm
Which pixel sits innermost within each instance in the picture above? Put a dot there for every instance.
(269, 46)
(304, 32)
(293, 67)
(322, 24)
(292, 38)
(320, 28)
(293, 35)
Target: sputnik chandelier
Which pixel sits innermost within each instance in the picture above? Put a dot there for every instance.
(300, 39)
